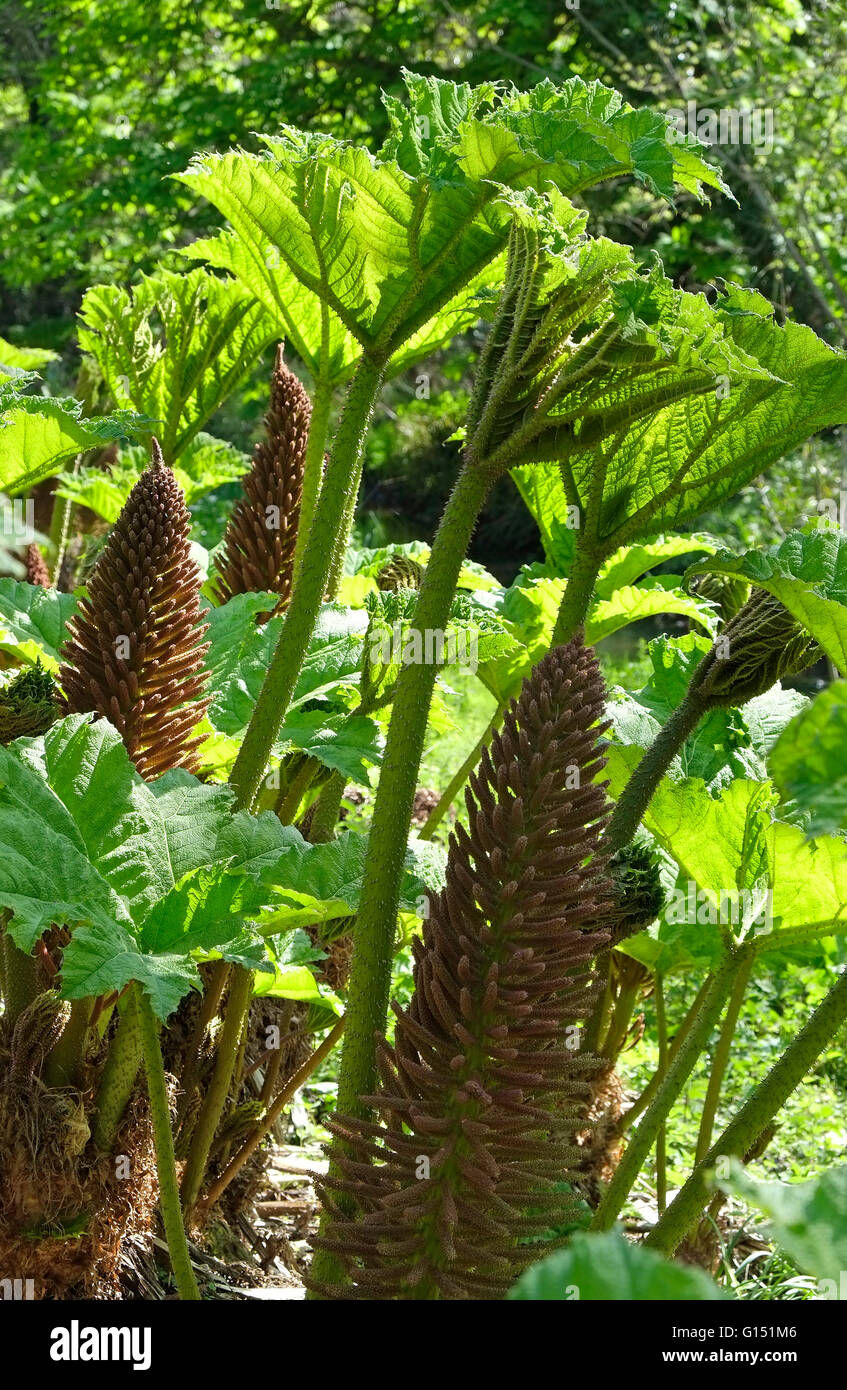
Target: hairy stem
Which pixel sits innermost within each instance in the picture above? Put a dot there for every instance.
(118, 1077)
(577, 595)
(627, 1120)
(313, 464)
(636, 795)
(327, 809)
(21, 984)
(760, 1107)
(240, 994)
(308, 595)
(721, 1058)
(208, 1008)
(165, 1161)
(666, 1096)
(370, 973)
(662, 1136)
(63, 1064)
(371, 966)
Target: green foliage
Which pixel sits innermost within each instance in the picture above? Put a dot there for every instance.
(807, 762)
(37, 433)
(205, 464)
(807, 572)
(174, 347)
(598, 1268)
(33, 622)
(808, 1220)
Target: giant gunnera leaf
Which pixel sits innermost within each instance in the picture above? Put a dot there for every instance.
(150, 877)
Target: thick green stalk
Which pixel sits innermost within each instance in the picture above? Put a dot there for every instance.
(326, 809)
(636, 795)
(342, 539)
(627, 1120)
(118, 1077)
(308, 595)
(313, 464)
(662, 1136)
(577, 595)
(370, 973)
(666, 1096)
(756, 1113)
(21, 978)
(240, 994)
(292, 1086)
(165, 1161)
(62, 1067)
(721, 1057)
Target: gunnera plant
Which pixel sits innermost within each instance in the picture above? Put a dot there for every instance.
(485, 1090)
(134, 653)
(261, 535)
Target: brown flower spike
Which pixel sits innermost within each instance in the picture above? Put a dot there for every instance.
(134, 654)
(36, 567)
(485, 1090)
(261, 535)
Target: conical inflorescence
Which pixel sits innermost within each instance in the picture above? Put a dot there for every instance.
(134, 654)
(261, 535)
(36, 567)
(484, 1091)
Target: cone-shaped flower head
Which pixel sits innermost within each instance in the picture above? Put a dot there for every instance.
(483, 1093)
(36, 567)
(134, 653)
(258, 550)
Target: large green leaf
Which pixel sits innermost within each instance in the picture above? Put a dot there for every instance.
(240, 651)
(731, 844)
(809, 761)
(317, 882)
(807, 572)
(174, 347)
(610, 1268)
(348, 743)
(203, 465)
(23, 359)
(147, 876)
(808, 1220)
(37, 433)
(690, 453)
(33, 622)
(398, 245)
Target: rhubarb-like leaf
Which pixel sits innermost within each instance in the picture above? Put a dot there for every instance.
(398, 245)
(599, 1268)
(37, 433)
(807, 572)
(174, 347)
(206, 463)
(147, 876)
(33, 622)
(809, 760)
(240, 652)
